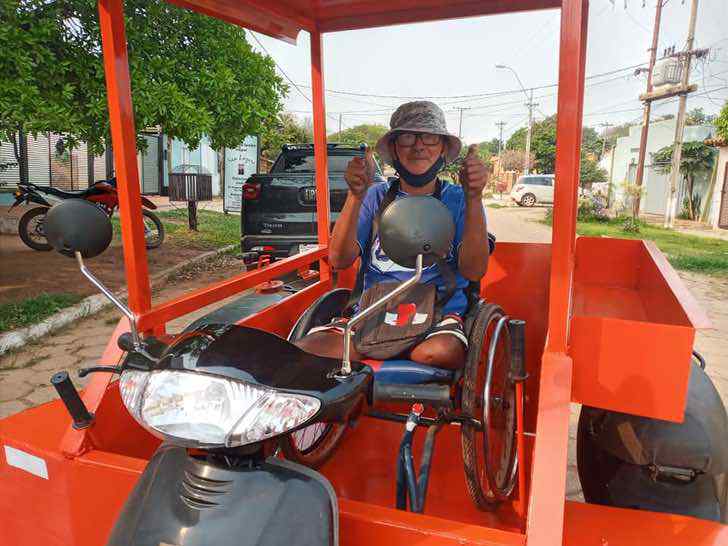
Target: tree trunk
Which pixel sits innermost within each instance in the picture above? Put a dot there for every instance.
(691, 205)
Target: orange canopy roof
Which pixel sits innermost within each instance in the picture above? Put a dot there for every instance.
(284, 19)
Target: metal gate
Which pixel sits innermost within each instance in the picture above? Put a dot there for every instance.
(723, 218)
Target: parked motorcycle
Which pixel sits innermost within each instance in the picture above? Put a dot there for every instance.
(103, 194)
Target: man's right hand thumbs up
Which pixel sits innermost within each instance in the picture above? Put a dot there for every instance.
(360, 173)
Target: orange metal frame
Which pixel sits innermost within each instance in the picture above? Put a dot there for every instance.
(583, 316)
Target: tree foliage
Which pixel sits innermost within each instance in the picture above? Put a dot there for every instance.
(695, 158)
(190, 74)
(590, 172)
(721, 123)
(543, 143)
(697, 116)
(285, 129)
(365, 133)
(512, 160)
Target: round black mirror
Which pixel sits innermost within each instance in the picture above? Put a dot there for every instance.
(77, 225)
(416, 225)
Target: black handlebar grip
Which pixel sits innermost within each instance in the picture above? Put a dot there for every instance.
(125, 342)
(69, 395)
(517, 330)
(429, 395)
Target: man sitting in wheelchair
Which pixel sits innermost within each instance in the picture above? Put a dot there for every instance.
(430, 324)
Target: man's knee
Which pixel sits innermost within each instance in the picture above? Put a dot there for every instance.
(443, 351)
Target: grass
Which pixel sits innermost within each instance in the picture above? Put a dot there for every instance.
(706, 255)
(33, 310)
(214, 229)
(496, 206)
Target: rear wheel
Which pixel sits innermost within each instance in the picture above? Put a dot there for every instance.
(488, 395)
(31, 229)
(528, 200)
(153, 229)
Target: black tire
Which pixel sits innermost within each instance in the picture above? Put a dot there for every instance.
(528, 200)
(154, 233)
(488, 395)
(30, 229)
(595, 466)
(313, 445)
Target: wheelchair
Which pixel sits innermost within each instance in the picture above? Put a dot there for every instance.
(481, 397)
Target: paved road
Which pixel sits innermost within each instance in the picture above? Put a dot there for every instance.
(24, 375)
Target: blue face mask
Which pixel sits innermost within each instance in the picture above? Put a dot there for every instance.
(419, 180)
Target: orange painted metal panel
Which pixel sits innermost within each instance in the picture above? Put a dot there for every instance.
(215, 292)
(123, 137)
(632, 329)
(517, 280)
(634, 367)
(595, 525)
(548, 473)
(271, 18)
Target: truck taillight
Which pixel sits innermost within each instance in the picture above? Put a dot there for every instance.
(251, 190)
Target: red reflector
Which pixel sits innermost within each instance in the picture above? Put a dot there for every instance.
(251, 191)
(268, 248)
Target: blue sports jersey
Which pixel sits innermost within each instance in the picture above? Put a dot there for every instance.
(379, 268)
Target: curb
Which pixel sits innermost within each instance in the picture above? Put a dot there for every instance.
(88, 306)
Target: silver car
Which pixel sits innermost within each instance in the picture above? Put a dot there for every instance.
(533, 188)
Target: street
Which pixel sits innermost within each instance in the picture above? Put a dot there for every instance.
(24, 375)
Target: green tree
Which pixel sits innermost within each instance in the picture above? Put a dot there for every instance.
(721, 123)
(365, 133)
(697, 116)
(285, 129)
(590, 172)
(696, 157)
(190, 74)
(543, 143)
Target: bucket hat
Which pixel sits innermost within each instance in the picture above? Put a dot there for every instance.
(419, 116)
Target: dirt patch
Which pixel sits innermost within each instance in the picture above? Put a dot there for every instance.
(26, 273)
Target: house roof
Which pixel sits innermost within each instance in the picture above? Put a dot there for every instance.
(284, 19)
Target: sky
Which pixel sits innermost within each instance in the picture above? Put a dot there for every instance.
(453, 60)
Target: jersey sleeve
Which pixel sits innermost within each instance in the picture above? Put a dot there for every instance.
(366, 216)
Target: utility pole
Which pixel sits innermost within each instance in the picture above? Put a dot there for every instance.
(606, 126)
(680, 126)
(526, 159)
(460, 126)
(648, 103)
(500, 125)
(340, 116)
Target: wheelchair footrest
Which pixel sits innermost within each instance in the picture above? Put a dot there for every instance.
(431, 395)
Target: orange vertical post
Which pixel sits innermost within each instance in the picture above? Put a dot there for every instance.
(572, 60)
(123, 137)
(545, 524)
(319, 146)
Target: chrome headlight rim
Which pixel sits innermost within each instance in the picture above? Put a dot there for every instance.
(266, 393)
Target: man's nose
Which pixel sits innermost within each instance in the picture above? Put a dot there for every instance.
(418, 145)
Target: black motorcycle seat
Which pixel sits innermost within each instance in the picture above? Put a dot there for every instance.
(74, 194)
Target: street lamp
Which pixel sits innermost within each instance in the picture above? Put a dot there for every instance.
(530, 116)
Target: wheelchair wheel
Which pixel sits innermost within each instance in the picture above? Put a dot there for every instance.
(313, 445)
(489, 396)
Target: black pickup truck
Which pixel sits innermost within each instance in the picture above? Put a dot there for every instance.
(279, 208)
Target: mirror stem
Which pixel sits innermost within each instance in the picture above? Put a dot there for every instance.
(136, 340)
(364, 313)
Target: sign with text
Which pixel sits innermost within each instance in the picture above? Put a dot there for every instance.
(240, 164)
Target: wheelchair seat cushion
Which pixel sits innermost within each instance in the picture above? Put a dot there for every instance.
(408, 372)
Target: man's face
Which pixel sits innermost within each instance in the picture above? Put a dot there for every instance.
(420, 155)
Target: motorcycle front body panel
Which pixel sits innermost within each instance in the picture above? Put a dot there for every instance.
(182, 501)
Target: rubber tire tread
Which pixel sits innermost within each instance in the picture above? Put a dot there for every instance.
(160, 228)
(468, 438)
(23, 229)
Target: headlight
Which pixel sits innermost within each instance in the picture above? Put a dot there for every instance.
(205, 410)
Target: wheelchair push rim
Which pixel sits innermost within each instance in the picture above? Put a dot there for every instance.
(489, 451)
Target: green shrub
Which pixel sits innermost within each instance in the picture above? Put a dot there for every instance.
(630, 225)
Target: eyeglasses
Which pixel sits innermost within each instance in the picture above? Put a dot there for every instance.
(408, 139)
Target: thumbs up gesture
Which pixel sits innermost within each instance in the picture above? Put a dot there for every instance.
(359, 173)
(474, 174)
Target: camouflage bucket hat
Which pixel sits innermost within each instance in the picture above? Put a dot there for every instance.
(418, 117)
